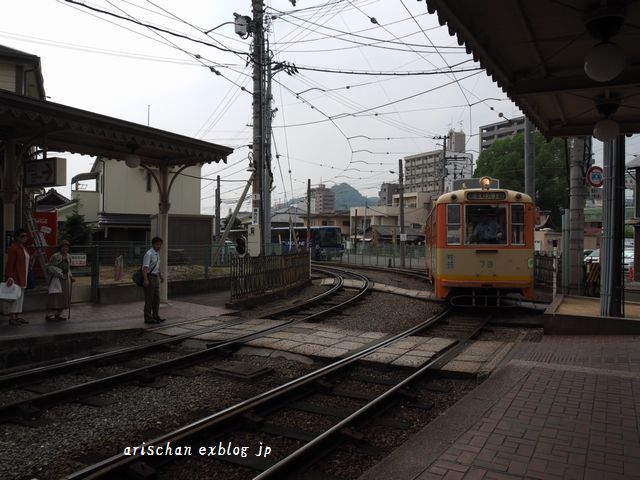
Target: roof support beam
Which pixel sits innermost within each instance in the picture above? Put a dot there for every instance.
(576, 83)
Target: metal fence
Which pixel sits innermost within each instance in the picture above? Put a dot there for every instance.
(255, 276)
(543, 269)
(185, 262)
(384, 256)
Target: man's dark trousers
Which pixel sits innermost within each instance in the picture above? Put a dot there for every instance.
(152, 299)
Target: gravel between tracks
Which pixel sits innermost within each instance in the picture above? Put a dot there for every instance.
(383, 312)
(75, 430)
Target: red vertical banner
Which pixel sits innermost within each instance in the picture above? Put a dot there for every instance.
(47, 229)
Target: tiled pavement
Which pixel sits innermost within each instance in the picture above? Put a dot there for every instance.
(89, 317)
(573, 413)
(326, 341)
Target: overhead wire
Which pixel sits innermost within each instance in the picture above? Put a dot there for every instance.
(152, 27)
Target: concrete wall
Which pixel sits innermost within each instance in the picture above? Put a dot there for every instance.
(118, 178)
(88, 205)
(36, 300)
(131, 293)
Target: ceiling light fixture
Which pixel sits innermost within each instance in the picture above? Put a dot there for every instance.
(607, 129)
(606, 60)
(132, 160)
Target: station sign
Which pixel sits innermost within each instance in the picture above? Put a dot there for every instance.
(49, 172)
(595, 176)
(78, 259)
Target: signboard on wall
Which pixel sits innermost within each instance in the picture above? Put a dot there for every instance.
(49, 172)
(78, 259)
(47, 226)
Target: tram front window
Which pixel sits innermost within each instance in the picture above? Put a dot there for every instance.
(486, 224)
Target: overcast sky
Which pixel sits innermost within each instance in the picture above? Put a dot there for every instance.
(100, 63)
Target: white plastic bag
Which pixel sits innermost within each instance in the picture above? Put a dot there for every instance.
(55, 285)
(9, 294)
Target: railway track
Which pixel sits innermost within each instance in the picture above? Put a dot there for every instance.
(407, 272)
(22, 411)
(253, 415)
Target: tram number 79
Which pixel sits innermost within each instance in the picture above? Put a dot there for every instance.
(486, 263)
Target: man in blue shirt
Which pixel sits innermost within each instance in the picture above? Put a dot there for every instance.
(152, 276)
(487, 230)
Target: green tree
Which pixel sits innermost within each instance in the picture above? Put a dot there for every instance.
(75, 230)
(504, 160)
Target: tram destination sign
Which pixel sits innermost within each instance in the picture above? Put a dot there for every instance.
(486, 195)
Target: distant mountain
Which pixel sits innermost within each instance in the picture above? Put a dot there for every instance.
(347, 197)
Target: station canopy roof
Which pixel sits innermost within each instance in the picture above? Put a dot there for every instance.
(60, 128)
(535, 51)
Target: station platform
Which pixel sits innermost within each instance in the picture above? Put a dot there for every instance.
(576, 315)
(565, 408)
(91, 317)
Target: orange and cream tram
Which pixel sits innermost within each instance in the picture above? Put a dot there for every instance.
(479, 245)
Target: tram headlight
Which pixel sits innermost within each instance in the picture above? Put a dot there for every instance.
(485, 183)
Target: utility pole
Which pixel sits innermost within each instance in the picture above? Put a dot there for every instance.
(443, 165)
(402, 233)
(257, 58)
(577, 197)
(529, 165)
(216, 227)
(267, 177)
(355, 236)
(309, 215)
(364, 219)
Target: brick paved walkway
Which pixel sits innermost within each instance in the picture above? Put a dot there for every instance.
(557, 424)
(565, 408)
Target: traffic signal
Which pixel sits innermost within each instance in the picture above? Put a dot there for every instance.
(241, 245)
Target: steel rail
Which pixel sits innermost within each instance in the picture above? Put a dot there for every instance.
(310, 451)
(68, 365)
(65, 366)
(114, 464)
(11, 410)
(409, 272)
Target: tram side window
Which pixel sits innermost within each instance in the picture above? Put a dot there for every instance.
(517, 224)
(454, 225)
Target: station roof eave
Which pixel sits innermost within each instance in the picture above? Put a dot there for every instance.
(61, 128)
(535, 52)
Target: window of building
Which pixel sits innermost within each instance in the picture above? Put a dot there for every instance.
(345, 223)
(454, 225)
(149, 180)
(517, 224)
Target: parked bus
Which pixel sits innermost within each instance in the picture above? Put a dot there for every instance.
(326, 242)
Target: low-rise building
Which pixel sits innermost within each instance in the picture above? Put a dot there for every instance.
(99, 195)
(336, 219)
